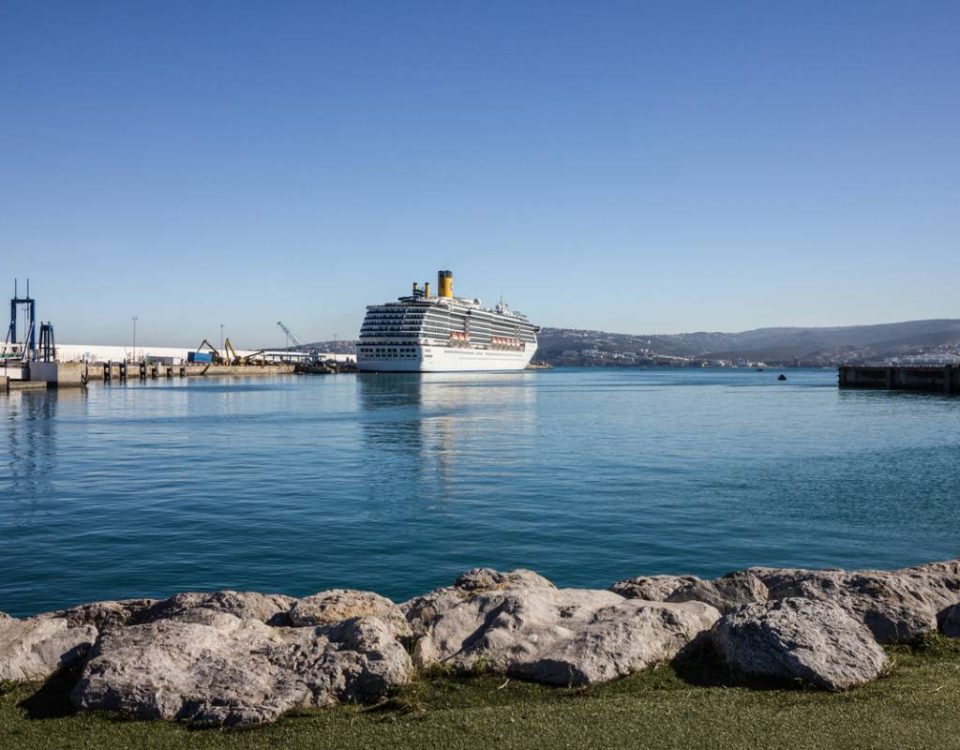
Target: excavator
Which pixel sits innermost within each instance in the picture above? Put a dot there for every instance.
(216, 357)
(234, 358)
(229, 356)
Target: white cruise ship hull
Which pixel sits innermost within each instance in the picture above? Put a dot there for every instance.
(450, 359)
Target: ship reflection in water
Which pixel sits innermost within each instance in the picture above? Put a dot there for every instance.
(431, 423)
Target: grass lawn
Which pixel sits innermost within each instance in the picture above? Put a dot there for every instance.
(693, 706)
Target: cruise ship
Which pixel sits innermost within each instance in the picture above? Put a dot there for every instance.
(443, 333)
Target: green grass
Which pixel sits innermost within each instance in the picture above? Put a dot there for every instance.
(696, 705)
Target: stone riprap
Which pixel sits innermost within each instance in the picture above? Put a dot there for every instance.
(240, 658)
(423, 610)
(36, 648)
(272, 609)
(343, 604)
(211, 667)
(896, 605)
(724, 593)
(522, 625)
(104, 615)
(794, 639)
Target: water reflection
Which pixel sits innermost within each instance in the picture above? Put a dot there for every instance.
(31, 433)
(441, 425)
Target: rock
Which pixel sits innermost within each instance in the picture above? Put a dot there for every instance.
(421, 611)
(35, 648)
(103, 615)
(487, 579)
(618, 641)
(559, 636)
(343, 604)
(817, 643)
(948, 620)
(271, 609)
(724, 593)
(652, 588)
(941, 581)
(896, 605)
(214, 668)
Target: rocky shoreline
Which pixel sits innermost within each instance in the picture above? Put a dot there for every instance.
(243, 658)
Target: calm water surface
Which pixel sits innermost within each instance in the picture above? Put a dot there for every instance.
(396, 483)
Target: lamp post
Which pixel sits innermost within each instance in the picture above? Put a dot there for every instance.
(134, 319)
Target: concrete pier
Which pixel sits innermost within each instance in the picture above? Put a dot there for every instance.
(122, 371)
(931, 379)
(59, 374)
(77, 374)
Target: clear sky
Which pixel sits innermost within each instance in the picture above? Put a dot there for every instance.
(630, 166)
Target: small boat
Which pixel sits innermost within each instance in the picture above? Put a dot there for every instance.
(781, 376)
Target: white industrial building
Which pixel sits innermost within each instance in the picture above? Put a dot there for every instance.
(173, 355)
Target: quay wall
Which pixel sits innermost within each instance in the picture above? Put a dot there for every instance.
(78, 374)
(945, 379)
(133, 371)
(170, 354)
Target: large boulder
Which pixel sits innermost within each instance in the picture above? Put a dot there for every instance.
(343, 604)
(488, 579)
(421, 611)
(271, 609)
(796, 639)
(652, 588)
(897, 605)
(214, 668)
(724, 593)
(35, 648)
(559, 636)
(103, 615)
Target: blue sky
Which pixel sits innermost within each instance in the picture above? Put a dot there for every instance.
(630, 166)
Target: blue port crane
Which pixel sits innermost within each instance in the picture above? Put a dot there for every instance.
(12, 349)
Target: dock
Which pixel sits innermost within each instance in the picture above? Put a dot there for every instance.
(29, 361)
(79, 374)
(926, 378)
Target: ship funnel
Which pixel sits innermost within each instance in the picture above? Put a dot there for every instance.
(415, 289)
(426, 290)
(445, 283)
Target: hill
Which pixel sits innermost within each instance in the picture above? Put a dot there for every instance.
(813, 347)
(773, 346)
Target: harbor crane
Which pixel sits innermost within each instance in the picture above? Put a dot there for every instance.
(290, 337)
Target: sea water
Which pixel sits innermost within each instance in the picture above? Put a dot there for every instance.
(397, 483)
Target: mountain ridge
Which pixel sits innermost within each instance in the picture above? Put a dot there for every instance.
(815, 346)
(781, 345)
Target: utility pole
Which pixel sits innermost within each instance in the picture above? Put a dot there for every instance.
(221, 337)
(134, 319)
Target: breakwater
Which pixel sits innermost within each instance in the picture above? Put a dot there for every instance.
(943, 379)
(241, 658)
